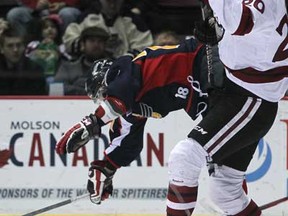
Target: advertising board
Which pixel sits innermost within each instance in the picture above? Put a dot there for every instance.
(34, 176)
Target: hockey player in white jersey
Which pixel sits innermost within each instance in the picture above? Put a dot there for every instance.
(254, 50)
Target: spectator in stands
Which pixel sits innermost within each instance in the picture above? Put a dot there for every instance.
(3, 25)
(22, 15)
(48, 50)
(166, 38)
(127, 33)
(18, 74)
(74, 74)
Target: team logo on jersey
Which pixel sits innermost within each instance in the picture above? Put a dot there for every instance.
(265, 155)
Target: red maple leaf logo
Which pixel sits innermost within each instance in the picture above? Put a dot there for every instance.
(4, 156)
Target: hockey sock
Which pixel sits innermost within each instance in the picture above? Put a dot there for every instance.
(181, 200)
(251, 210)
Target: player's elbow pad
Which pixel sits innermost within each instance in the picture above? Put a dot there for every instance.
(110, 109)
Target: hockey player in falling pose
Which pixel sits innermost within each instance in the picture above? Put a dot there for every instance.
(158, 81)
(254, 52)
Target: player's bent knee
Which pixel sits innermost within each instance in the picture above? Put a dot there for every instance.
(226, 190)
(185, 162)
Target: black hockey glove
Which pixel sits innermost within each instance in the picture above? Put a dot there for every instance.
(78, 135)
(208, 31)
(100, 180)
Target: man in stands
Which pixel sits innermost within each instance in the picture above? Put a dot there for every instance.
(128, 32)
(18, 74)
(74, 74)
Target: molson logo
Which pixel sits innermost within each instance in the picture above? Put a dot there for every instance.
(29, 149)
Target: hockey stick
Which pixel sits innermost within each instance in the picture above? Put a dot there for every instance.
(208, 49)
(56, 205)
(273, 203)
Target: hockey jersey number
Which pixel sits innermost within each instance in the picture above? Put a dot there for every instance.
(282, 53)
(182, 92)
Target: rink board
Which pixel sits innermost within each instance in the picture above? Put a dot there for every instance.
(36, 177)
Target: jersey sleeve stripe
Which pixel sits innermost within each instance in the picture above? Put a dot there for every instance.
(252, 75)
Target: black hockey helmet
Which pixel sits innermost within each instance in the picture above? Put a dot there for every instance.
(95, 85)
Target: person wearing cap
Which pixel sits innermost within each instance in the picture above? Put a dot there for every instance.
(73, 74)
(129, 33)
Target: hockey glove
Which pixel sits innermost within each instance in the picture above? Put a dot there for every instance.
(100, 181)
(209, 31)
(79, 135)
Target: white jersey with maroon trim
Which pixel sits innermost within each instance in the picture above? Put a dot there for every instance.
(254, 48)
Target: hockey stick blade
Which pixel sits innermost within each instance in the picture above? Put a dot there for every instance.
(274, 203)
(56, 205)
